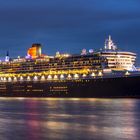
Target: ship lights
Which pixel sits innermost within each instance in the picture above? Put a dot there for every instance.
(100, 73)
(1, 78)
(4, 78)
(76, 76)
(35, 78)
(127, 73)
(9, 79)
(55, 77)
(28, 78)
(49, 77)
(42, 77)
(21, 78)
(69, 76)
(61, 76)
(93, 74)
(84, 75)
(15, 78)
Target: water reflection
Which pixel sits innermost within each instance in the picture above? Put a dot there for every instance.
(99, 119)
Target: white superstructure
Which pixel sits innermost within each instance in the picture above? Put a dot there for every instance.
(118, 59)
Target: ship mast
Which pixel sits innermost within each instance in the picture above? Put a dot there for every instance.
(109, 45)
(7, 58)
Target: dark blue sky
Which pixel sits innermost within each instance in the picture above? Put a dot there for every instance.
(68, 25)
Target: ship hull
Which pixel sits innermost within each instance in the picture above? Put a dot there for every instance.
(96, 87)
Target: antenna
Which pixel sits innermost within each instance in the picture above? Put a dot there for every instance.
(7, 53)
(7, 58)
(109, 38)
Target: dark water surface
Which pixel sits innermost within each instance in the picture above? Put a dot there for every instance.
(73, 119)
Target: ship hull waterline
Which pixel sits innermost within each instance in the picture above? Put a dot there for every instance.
(119, 87)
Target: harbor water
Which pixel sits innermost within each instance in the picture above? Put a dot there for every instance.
(69, 119)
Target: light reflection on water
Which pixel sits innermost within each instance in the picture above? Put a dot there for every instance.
(53, 118)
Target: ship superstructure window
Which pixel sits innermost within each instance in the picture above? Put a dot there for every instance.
(71, 62)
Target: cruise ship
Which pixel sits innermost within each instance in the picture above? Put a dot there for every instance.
(107, 73)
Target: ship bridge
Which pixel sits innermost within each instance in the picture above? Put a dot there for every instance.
(118, 59)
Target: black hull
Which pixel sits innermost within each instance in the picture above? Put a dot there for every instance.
(84, 88)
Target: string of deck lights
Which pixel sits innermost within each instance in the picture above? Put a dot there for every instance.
(52, 77)
(48, 77)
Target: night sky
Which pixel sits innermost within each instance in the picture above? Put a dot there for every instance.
(68, 25)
